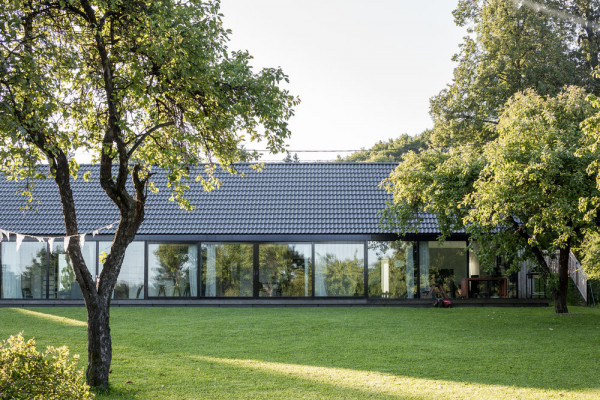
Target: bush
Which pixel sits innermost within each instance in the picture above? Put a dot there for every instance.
(26, 373)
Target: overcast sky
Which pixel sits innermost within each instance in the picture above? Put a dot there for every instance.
(364, 71)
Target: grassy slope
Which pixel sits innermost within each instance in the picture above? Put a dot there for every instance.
(188, 353)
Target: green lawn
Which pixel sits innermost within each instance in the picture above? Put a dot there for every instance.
(335, 353)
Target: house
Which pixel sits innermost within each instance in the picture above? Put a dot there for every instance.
(291, 234)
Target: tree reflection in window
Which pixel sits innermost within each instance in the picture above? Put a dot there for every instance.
(339, 269)
(172, 270)
(285, 270)
(227, 270)
(391, 270)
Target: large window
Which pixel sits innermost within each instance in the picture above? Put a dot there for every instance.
(227, 270)
(172, 270)
(285, 270)
(442, 267)
(391, 270)
(62, 277)
(24, 271)
(130, 284)
(339, 269)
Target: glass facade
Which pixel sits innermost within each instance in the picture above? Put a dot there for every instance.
(391, 270)
(130, 284)
(172, 270)
(339, 269)
(373, 269)
(285, 270)
(24, 271)
(442, 268)
(228, 270)
(62, 277)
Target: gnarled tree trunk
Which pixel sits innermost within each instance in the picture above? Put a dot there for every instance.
(99, 345)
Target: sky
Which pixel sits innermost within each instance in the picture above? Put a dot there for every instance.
(364, 71)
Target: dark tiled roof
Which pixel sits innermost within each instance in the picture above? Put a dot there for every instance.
(283, 199)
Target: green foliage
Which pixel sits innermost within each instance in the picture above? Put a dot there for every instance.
(26, 373)
(521, 194)
(435, 181)
(391, 151)
(535, 174)
(510, 47)
(177, 97)
(590, 255)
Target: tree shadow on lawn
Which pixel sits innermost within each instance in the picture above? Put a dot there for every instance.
(498, 348)
(503, 347)
(197, 378)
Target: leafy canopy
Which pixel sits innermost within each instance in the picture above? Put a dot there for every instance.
(177, 95)
(522, 193)
(512, 46)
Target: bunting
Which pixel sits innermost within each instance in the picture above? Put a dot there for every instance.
(42, 239)
(19, 240)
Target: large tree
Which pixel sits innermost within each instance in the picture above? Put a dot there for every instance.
(512, 46)
(519, 197)
(139, 84)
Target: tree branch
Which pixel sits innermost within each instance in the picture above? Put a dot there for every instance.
(145, 135)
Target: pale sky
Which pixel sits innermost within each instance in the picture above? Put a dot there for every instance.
(364, 70)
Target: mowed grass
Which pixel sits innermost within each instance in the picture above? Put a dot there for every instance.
(335, 353)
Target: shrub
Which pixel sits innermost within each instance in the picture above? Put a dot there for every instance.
(26, 373)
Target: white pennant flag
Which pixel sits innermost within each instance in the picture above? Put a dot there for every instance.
(40, 239)
(66, 242)
(5, 233)
(51, 244)
(19, 240)
(82, 239)
(95, 233)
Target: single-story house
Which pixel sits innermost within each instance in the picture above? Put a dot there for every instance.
(293, 233)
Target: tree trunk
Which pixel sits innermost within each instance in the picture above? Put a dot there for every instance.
(99, 345)
(561, 288)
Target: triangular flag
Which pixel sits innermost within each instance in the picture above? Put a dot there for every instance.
(66, 242)
(51, 244)
(39, 239)
(5, 233)
(19, 240)
(82, 239)
(95, 233)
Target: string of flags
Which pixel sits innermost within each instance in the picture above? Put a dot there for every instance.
(42, 239)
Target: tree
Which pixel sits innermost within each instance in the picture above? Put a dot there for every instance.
(521, 197)
(390, 151)
(289, 159)
(140, 84)
(173, 265)
(512, 46)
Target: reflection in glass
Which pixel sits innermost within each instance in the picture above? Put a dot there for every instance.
(284, 270)
(130, 284)
(62, 277)
(172, 270)
(227, 270)
(442, 266)
(339, 269)
(24, 271)
(391, 270)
